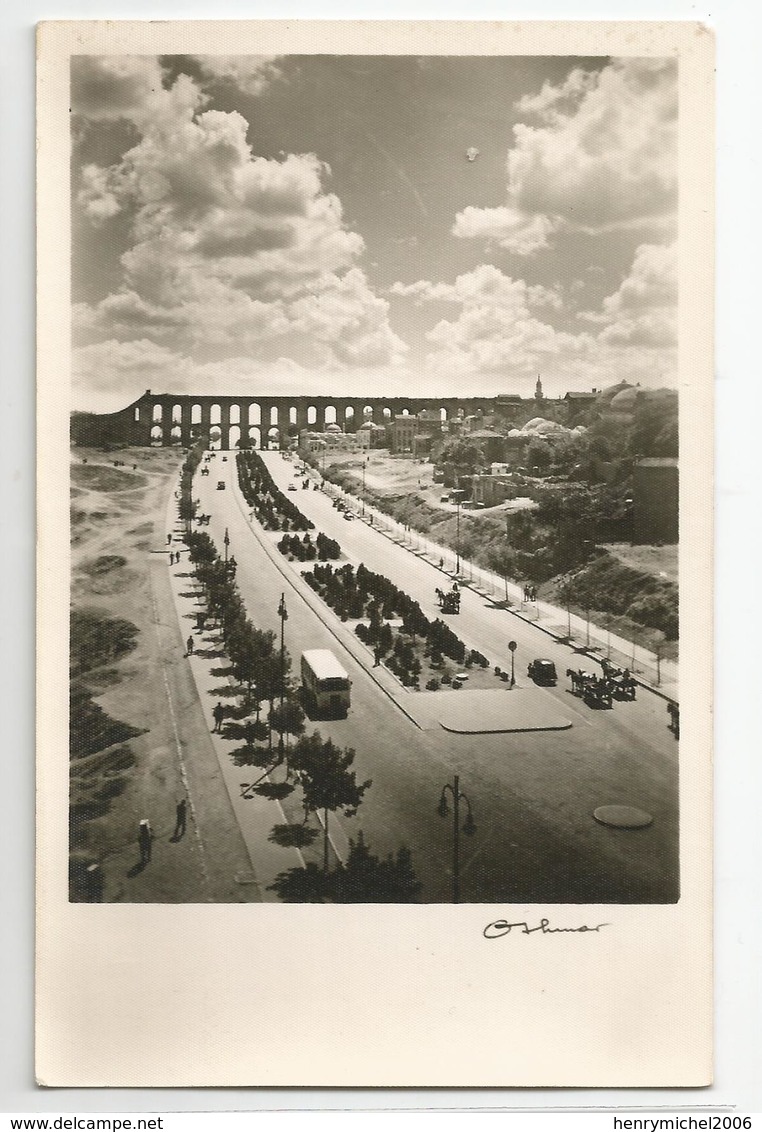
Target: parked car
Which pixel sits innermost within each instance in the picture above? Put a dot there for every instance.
(543, 672)
(348, 516)
(444, 498)
(292, 487)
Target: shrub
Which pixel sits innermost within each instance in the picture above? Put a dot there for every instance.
(432, 685)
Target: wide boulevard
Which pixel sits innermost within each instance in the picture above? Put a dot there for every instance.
(532, 793)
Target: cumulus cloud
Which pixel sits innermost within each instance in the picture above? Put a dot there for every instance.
(129, 87)
(228, 246)
(113, 370)
(643, 310)
(495, 328)
(485, 284)
(602, 156)
(499, 333)
(512, 228)
(249, 73)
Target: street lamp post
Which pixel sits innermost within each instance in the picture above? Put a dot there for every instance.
(226, 541)
(512, 647)
(457, 537)
(364, 466)
(469, 828)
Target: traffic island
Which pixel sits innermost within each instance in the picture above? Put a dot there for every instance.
(486, 711)
(622, 817)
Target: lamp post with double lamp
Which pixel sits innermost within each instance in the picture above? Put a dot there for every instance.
(226, 541)
(469, 828)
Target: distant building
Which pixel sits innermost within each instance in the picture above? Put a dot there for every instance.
(402, 432)
(491, 442)
(656, 501)
(415, 434)
(371, 435)
(333, 439)
(493, 489)
(576, 403)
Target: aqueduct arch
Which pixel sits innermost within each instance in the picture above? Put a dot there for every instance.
(166, 418)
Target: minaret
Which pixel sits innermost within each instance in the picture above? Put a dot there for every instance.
(538, 393)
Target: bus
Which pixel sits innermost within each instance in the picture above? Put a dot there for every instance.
(326, 684)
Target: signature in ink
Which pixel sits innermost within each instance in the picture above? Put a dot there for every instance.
(500, 928)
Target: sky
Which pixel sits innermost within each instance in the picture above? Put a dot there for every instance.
(352, 225)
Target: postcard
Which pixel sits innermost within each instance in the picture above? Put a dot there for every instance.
(375, 519)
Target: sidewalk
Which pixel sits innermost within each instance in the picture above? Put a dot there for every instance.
(593, 641)
(254, 813)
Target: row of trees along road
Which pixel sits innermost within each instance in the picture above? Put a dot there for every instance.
(322, 770)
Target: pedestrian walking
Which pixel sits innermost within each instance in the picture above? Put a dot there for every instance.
(145, 841)
(181, 813)
(219, 715)
(376, 657)
(189, 648)
(169, 540)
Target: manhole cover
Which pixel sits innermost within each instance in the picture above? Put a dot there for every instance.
(622, 817)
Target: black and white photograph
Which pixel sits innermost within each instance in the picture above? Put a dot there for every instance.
(376, 424)
(374, 479)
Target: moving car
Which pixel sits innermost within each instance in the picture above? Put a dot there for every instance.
(543, 672)
(220, 485)
(292, 487)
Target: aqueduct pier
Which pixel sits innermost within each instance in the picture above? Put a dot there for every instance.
(228, 422)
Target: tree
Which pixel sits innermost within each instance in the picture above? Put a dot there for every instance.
(365, 878)
(465, 455)
(503, 561)
(300, 886)
(287, 719)
(326, 780)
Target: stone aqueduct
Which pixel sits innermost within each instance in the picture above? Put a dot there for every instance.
(166, 418)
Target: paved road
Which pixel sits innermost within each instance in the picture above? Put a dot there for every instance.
(532, 794)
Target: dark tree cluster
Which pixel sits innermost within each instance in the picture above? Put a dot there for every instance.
(321, 769)
(188, 507)
(364, 878)
(256, 662)
(272, 507)
(303, 549)
(360, 594)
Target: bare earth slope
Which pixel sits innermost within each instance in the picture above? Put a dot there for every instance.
(127, 653)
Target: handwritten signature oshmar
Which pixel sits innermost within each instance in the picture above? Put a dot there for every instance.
(500, 928)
